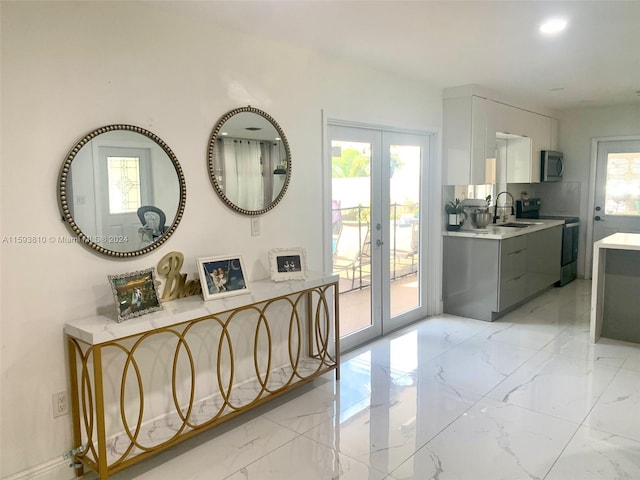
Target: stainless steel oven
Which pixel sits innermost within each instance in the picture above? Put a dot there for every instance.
(570, 238)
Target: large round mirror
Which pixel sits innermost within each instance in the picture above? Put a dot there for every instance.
(249, 161)
(122, 191)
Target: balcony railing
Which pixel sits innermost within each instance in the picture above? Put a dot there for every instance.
(352, 243)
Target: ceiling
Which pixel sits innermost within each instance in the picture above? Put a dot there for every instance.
(495, 45)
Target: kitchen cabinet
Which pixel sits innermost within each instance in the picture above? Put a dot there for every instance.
(470, 276)
(527, 134)
(513, 270)
(544, 252)
(553, 143)
(470, 125)
(485, 278)
(469, 141)
(518, 159)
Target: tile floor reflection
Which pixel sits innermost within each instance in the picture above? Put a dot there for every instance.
(448, 398)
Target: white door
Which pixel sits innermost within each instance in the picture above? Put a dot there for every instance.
(376, 228)
(125, 184)
(617, 188)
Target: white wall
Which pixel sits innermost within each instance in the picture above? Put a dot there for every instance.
(68, 68)
(577, 128)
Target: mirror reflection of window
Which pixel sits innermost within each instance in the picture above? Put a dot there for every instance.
(111, 173)
(124, 184)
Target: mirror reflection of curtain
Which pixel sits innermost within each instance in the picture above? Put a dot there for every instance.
(242, 178)
(250, 184)
(270, 160)
(229, 173)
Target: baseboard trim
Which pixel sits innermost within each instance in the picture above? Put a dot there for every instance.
(51, 470)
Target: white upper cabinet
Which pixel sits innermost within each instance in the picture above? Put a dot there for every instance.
(528, 134)
(469, 141)
(470, 125)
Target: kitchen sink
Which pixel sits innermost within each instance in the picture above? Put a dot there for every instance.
(516, 225)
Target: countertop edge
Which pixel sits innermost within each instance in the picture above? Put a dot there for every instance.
(496, 232)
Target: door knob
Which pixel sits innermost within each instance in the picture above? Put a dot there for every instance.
(598, 209)
(598, 218)
(379, 243)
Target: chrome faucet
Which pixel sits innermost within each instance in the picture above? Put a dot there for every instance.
(495, 207)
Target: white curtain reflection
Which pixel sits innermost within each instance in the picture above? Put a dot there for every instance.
(242, 173)
(246, 172)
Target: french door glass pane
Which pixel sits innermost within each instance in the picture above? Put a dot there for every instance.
(404, 213)
(351, 202)
(622, 191)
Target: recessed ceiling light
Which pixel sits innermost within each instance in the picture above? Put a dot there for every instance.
(553, 26)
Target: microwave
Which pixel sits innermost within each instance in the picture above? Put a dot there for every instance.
(551, 166)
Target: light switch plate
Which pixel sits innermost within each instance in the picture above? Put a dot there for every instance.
(255, 226)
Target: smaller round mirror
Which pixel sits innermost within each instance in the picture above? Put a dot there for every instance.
(249, 161)
(122, 191)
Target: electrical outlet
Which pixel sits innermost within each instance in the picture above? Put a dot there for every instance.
(60, 404)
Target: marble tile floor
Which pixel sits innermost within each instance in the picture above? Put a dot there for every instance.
(448, 398)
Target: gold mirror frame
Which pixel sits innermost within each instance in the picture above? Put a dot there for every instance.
(212, 159)
(63, 199)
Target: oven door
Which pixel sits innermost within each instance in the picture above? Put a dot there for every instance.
(570, 236)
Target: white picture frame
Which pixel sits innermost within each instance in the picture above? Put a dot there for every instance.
(288, 264)
(222, 276)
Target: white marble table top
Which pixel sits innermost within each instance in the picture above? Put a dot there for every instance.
(102, 328)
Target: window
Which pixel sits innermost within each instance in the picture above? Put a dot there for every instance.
(622, 192)
(124, 184)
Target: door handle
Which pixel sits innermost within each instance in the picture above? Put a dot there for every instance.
(598, 218)
(379, 243)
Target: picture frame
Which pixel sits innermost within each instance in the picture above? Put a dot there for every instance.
(135, 293)
(222, 276)
(288, 264)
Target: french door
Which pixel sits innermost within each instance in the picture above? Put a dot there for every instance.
(376, 192)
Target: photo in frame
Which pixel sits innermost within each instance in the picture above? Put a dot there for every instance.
(288, 264)
(135, 293)
(222, 276)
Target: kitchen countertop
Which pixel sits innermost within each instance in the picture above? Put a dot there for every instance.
(621, 241)
(497, 232)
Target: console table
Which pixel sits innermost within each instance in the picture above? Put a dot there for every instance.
(143, 385)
